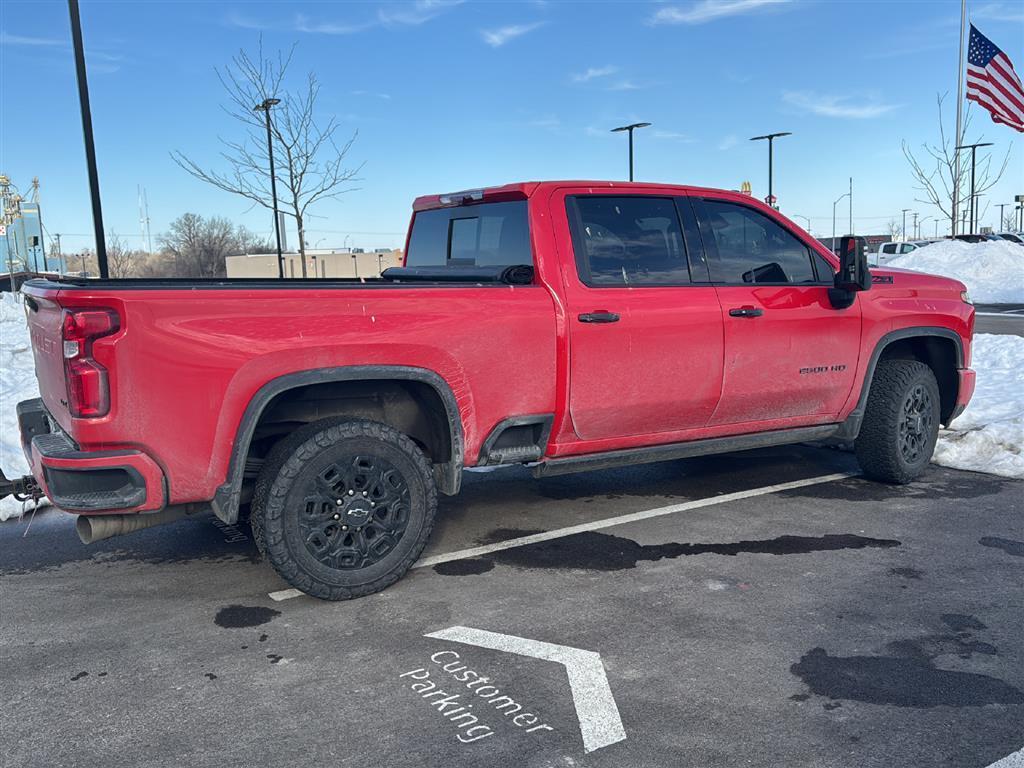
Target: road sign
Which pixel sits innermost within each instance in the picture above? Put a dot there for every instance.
(600, 724)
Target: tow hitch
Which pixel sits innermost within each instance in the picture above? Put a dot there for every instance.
(21, 488)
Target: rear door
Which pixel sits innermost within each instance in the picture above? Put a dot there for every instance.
(788, 353)
(645, 327)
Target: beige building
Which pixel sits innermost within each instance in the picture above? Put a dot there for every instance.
(320, 263)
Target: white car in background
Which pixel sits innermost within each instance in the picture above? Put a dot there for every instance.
(887, 251)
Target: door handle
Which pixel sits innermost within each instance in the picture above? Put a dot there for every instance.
(745, 312)
(598, 317)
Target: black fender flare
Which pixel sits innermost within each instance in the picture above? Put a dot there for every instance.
(227, 498)
(850, 428)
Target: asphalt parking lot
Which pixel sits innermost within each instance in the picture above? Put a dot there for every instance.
(835, 622)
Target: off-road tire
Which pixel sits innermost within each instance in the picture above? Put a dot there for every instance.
(293, 473)
(883, 448)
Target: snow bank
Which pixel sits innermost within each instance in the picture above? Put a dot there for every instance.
(993, 271)
(989, 435)
(17, 383)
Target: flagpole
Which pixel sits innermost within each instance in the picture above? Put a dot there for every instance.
(959, 111)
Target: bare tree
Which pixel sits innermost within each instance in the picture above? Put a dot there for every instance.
(1009, 222)
(941, 169)
(309, 156)
(120, 258)
(895, 230)
(198, 247)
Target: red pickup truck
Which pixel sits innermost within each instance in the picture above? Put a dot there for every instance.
(564, 325)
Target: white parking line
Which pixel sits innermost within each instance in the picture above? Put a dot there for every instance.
(1016, 760)
(559, 533)
(633, 517)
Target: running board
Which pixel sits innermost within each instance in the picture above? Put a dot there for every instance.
(649, 454)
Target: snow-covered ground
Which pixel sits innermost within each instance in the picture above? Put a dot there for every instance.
(17, 383)
(993, 271)
(988, 436)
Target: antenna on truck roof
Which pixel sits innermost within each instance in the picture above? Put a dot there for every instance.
(90, 147)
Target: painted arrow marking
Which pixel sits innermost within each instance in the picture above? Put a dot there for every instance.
(600, 724)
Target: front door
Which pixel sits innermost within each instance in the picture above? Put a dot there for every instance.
(788, 353)
(645, 335)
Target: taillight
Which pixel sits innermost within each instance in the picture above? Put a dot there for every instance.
(88, 386)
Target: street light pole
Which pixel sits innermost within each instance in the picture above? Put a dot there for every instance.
(630, 128)
(807, 219)
(903, 231)
(265, 108)
(838, 200)
(770, 137)
(915, 225)
(973, 148)
(1001, 206)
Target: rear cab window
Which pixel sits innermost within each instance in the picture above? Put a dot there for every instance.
(483, 235)
(625, 241)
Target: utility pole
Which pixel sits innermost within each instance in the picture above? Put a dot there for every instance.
(1001, 206)
(90, 146)
(915, 225)
(771, 139)
(973, 148)
(60, 254)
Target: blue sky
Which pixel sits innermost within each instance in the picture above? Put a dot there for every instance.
(449, 95)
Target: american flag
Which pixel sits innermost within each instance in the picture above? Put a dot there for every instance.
(993, 83)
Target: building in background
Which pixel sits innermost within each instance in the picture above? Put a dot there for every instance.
(321, 263)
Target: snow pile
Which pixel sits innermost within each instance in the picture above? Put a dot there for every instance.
(993, 271)
(989, 435)
(17, 383)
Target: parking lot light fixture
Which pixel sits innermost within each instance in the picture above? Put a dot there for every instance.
(770, 137)
(838, 200)
(632, 127)
(264, 107)
(974, 148)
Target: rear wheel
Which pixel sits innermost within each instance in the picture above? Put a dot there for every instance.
(343, 510)
(901, 422)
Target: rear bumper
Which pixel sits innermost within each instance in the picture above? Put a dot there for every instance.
(964, 392)
(87, 482)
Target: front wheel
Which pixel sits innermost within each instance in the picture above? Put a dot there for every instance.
(901, 422)
(348, 509)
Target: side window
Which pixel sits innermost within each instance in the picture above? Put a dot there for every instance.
(889, 248)
(487, 235)
(906, 248)
(752, 248)
(627, 240)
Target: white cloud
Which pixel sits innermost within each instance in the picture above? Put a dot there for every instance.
(728, 142)
(420, 12)
(304, 24)
(674, 136)
(709, 10)
(626, 85)
(594, 72)
(7, 39)
(999, 12)
(836, 106)
(498, 37)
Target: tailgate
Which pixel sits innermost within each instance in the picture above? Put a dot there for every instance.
(44, 325)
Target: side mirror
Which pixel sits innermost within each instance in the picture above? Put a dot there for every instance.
(853, 274)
